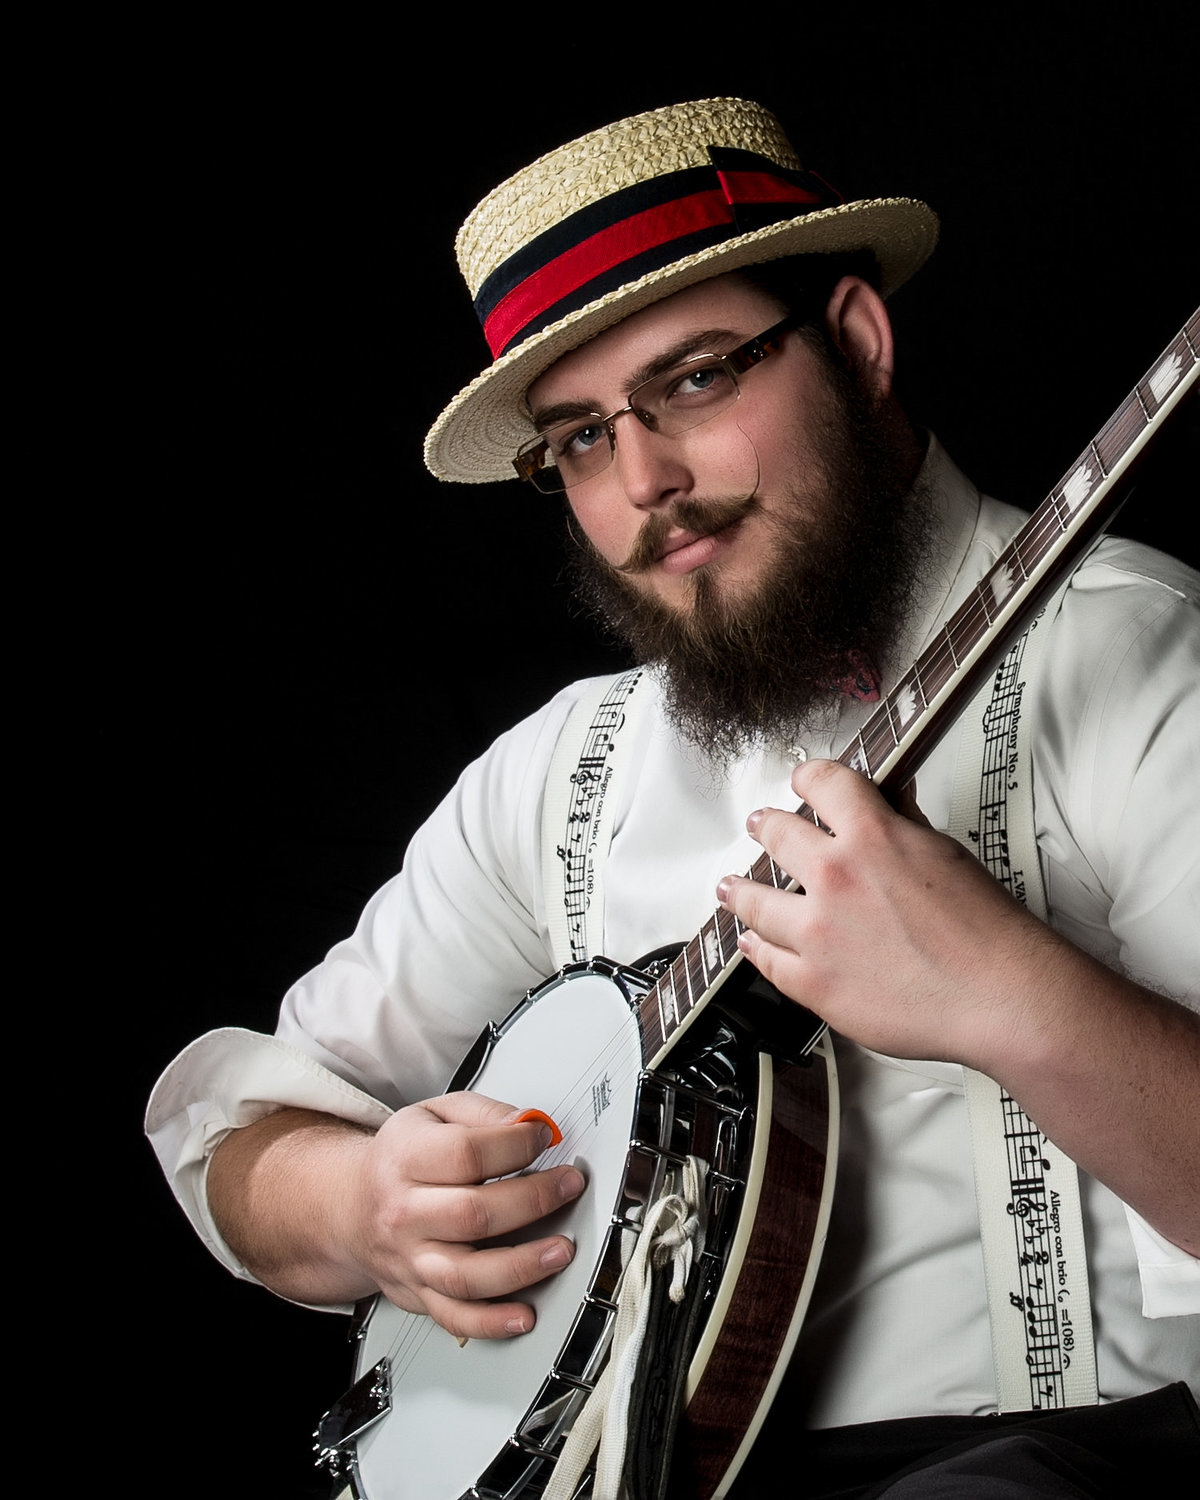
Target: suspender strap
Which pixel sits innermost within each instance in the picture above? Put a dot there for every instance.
(1027, 1190)
(578, 813)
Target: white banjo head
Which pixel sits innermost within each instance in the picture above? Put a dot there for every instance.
(453, 1408)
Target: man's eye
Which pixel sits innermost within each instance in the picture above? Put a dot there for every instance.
(703, 381)
(572, 442)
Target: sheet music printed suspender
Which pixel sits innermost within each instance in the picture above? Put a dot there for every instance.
(575, 828)
(1027, 1190)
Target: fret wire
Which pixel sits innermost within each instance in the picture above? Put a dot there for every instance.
(971, 624)
(1174, 359)
(759, 870)
(864, 758)
(686, 998)
(675, 1012)
(1188, 342)
(855, 755)
(904, 695)
(719, 939)
(982, 589)
(1043, 531)
(1048, 531)
(869, 755)
(728, 931)
(891, 718)
(653, 1031)
(932, 669)
(657, 991)
(678, 996)
(704, 955)
(703, 958)
(697, 983)
(683, 980)
(938, 672)
(1121, 431)
(726, 935)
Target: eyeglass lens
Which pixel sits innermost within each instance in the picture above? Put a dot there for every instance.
(670, 403)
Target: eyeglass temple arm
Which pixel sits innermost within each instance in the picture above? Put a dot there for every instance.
(758, 349)
(530, 461)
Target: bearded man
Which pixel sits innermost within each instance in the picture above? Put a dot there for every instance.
(694, 356)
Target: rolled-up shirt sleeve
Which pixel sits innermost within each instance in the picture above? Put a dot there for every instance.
(452, 942)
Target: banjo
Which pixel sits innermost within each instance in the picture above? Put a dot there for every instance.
(689, 1056)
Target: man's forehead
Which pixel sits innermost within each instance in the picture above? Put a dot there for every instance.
(689, 322)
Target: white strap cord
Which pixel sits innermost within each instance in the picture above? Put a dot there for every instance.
(672, 1233)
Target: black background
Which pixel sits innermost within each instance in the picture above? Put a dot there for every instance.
(295, 637)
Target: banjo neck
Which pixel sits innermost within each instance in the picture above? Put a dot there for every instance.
(913, 716)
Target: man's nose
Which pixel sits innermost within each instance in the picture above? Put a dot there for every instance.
(652, 467)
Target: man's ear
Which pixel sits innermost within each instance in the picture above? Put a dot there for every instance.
(859, 325)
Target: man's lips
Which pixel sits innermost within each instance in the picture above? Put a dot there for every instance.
(685, 550)
(681, 542)
(680, 539)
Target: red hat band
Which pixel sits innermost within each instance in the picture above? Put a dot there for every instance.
(636, 231)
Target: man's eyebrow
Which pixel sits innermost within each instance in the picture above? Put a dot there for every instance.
(701, 341)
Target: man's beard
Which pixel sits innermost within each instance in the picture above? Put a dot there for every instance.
(768, 664)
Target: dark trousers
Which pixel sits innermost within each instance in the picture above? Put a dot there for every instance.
(1098, 1452)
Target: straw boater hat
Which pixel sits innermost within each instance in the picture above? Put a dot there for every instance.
(623, 217)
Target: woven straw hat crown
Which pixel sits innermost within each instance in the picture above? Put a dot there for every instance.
(619, 219)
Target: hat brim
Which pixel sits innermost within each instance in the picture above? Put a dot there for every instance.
(476, 436)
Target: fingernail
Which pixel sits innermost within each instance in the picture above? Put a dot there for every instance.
(754, 820)
(571, 1183)
(555, 1256)
(724, 886)
(518, 1325)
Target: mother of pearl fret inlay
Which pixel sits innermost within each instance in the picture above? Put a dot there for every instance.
(1076, 489)
(1003, 582)
(712, 952)
(905, 703)
(1165, 377)
(665, 989)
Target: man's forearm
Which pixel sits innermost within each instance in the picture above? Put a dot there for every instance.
(1111, 1072)
(422, 1209)
(277, 1192)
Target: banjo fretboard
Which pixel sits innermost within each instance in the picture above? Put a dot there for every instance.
(913, 715)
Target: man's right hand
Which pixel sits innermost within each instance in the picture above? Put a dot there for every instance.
(322, 1211)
